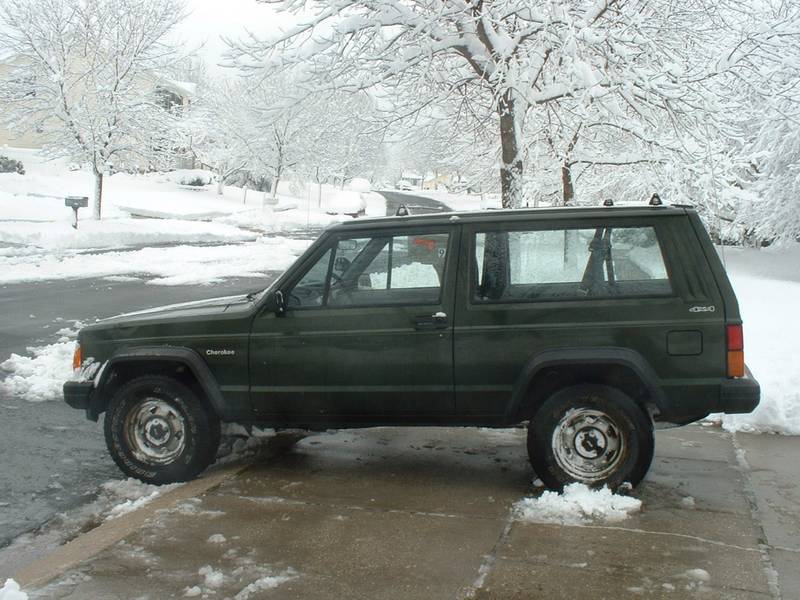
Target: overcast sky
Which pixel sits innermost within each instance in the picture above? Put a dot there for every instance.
(210, 19)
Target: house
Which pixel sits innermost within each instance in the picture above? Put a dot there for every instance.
(166, 93)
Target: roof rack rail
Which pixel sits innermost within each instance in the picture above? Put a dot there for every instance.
(608, 202)
(655, 200)
(402, 211)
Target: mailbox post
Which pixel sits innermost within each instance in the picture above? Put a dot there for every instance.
(76, 202)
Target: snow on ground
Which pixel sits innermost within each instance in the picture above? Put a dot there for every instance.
(133, 495)
(576, 505)
(32, 210)
(40, 377)
(117, 233)
(11, 591)
(767, 284)
(177, 265)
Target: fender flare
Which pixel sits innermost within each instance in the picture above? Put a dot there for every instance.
(582, 356)
(173, 354)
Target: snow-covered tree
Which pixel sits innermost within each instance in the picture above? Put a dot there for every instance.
(509, 56)
(85, 74)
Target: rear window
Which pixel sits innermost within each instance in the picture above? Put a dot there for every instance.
(558, 264)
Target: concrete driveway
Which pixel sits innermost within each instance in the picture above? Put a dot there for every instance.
(427, 513)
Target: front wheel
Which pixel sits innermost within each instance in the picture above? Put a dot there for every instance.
(591, 434)
(158, 431)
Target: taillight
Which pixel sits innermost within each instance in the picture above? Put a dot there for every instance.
(77, 358)
(735, 337)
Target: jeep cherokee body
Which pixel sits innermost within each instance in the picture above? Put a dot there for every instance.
(590, 323)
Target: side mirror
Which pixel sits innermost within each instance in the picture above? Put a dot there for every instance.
(280, 303)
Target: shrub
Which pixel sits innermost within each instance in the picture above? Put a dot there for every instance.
(9, 165)
(194, 181)
(192, 177)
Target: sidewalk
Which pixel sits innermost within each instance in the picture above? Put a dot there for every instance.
(425, 513)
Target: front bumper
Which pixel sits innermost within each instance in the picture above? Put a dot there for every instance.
(740, 395)
(77, 394)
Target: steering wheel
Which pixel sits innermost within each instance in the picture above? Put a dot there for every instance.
(305, 296)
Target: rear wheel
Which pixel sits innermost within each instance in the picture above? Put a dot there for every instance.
(592, 434)
(158, 430)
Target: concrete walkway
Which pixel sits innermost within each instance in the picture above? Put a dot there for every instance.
(426, 513)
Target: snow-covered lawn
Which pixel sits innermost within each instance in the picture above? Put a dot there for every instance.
(175, 265)
(32, 211)
(767, 284)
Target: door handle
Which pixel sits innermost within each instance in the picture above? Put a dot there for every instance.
(437, 320)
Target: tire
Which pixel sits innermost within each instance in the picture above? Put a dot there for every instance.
(591, 434)
(158, 431)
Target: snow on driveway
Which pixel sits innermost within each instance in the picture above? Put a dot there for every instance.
(576, 505)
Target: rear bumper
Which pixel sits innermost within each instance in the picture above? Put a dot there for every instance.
(740, 395)
(77, 394)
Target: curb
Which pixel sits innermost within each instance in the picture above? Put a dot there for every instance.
(92, 543)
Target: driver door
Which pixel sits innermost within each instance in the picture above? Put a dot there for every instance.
(367, 335)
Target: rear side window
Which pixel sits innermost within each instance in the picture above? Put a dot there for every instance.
(558, 264)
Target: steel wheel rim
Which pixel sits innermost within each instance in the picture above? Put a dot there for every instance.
(156, 431)
(588, 444)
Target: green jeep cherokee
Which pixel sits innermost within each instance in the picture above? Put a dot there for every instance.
(589, 324)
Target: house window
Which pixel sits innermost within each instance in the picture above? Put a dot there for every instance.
(168, 99)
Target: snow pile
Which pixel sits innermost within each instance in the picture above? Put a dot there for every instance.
(211, 577)
(577, 505)
(344, 202)
(214, 579)
(237, 444)
(359, 184)
(133, 493)
(12, 591)
(41, 376)
(265, 583)
(767, 284)
(283, 217)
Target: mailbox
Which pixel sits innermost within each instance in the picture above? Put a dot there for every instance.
(76, 202)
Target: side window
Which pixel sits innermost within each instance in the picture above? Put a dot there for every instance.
(557, 264)
(310, 290)
(401, 269)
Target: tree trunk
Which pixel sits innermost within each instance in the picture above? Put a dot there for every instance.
(220, 182)
(98, 194)
(568, 189)
(275, 182)
(567, 195)
(511, 167)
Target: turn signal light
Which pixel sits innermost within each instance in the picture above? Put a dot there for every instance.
(735, 336)
(77, 358)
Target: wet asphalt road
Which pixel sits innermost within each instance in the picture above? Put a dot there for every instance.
(51, 458)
